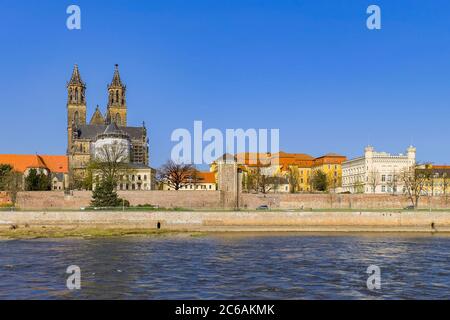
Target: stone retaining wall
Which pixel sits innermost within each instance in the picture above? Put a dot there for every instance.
(236, 220)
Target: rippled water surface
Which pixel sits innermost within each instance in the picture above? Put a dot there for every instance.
(239, 266)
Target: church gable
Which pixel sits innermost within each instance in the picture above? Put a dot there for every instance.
(97, 117)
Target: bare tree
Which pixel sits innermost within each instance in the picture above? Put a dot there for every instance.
(358, 186)
(414, 180)
(373, 179)
(174, 174)
(445, 182)
(268, 183)
(333, 182)
(254, 179)
(111, 161)
(392, 182)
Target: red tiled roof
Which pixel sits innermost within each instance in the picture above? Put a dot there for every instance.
(22, 162)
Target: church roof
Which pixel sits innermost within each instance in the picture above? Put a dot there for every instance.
(112, 128)
(97, 117)
(90, 131)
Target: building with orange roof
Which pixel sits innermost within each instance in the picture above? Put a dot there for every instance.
(54, 165)
(437, 179)
(202, 180)
(331, 165)
(296, 167)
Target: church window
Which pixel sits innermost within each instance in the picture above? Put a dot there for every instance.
(76, 117)
(76, 94)
(117, 95)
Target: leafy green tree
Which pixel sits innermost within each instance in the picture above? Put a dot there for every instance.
(10, 181)
(319, 181)
(105, 195)
(5, 170)
(36, 181)
(293, 178)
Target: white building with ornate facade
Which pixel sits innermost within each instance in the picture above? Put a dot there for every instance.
(377, 172)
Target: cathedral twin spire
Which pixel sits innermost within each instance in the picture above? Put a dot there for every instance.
(116, 107)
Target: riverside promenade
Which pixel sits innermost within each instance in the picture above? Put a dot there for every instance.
(233, 221)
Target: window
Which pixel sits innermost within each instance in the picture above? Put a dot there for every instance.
(383, 178)
(76, 117)
(383, 189)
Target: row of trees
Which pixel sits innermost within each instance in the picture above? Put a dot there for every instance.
(12, 181)
(257, 181)
(415, 182)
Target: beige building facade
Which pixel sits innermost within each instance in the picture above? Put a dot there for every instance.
(377, 172)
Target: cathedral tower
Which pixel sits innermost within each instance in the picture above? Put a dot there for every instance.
(76, 103)
(117, 106)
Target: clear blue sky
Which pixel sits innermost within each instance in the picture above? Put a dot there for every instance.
(308, 67)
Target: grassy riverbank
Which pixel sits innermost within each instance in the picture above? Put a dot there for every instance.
(84, 232)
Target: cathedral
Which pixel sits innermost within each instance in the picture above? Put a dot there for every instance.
(83, 136)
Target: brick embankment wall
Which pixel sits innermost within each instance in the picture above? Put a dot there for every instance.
(4, 199)
(236, 220)
(338, 201)
(213, 200)
(166, 199)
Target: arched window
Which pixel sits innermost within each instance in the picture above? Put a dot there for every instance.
(76, 94)
(118, 119)
(76, 117)
(117, 95)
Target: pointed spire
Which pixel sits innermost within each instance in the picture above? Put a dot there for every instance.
(76, 78)
(116, 82)
(97, 117)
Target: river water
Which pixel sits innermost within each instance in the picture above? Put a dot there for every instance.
(228, 266)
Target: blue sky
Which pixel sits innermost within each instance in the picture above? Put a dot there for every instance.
(310, 68)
